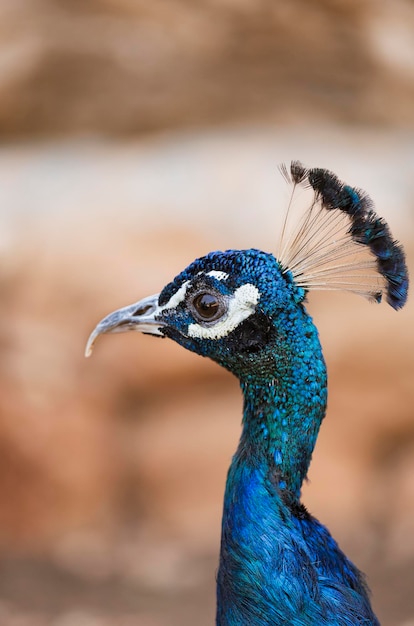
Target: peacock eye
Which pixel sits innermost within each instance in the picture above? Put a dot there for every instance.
(207, 306)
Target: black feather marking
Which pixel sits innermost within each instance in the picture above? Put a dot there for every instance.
(253, 334)
(298, 172)
(336, 195)
(327, 186)
(297, 509)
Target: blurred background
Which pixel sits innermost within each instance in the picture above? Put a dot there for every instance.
(136, 136)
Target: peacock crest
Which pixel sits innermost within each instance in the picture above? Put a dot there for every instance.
(333, 239)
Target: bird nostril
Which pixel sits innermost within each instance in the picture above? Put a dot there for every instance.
(142, 310)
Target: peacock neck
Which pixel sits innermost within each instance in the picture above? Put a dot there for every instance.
(283, 411)
(284, 388)
(280, 432)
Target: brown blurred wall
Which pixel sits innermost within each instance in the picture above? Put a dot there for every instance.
(112, 470)
(127, 66)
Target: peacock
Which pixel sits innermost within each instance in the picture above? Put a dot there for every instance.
(245, 309)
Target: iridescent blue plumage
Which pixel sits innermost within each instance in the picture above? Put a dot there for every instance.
(245, 310)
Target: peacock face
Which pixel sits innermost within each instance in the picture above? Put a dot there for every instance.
(225, 305)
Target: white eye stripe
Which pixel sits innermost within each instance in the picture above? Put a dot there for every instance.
(176, 298)
(218, 275)
(241, 305)
(181, 293)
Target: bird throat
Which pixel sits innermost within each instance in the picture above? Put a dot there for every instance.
(280, 430)
(283, 412)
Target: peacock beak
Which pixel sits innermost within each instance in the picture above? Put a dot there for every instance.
(141, 316)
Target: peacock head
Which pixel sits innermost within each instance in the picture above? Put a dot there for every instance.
(233, 306)
(244, 308)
